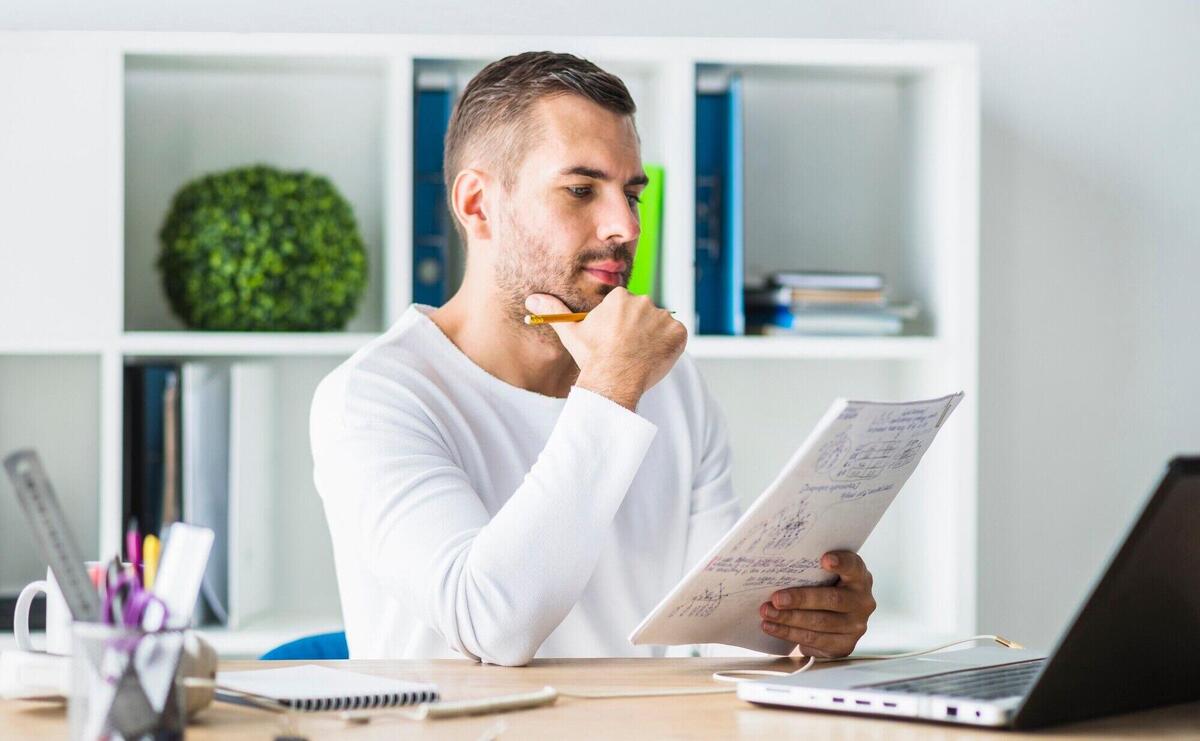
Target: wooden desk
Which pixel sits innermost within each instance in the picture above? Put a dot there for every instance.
(698, 716)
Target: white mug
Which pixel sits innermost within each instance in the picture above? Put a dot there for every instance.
(58, 617)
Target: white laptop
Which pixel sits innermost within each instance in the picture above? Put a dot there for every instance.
(1135, 644)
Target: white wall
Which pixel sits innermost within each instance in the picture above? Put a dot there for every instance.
(1090, 233)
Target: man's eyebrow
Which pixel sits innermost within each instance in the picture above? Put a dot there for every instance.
(594, 174)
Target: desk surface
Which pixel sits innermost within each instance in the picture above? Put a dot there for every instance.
(696, 716)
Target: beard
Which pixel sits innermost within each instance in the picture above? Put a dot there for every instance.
(526, 264)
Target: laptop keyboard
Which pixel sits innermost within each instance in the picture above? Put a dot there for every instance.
(988, 683)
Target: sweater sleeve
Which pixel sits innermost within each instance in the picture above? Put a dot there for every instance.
(493, 587)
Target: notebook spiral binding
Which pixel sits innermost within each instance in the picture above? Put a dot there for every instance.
(359, 703)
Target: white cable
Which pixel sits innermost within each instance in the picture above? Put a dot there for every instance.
(608, 695)
(736, 676)
(740, 675)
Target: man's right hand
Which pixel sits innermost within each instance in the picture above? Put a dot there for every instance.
(625, 346)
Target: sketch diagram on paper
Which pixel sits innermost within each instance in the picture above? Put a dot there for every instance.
(867, 461)
(832, 452)
(701, 604)
(777, 532)
(910, 452)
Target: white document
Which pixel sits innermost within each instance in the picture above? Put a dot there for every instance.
(827, 498)
(181, 570)
(252, 464)
(206, 453)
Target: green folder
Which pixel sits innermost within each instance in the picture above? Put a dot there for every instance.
(644, 278)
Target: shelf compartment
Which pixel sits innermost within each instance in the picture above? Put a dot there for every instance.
(187, 116)
(854, 180)
(50, 403)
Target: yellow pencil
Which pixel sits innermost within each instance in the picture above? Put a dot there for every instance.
(150, 553)
(578, 316)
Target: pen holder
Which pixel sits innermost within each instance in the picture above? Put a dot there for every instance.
(123, 684)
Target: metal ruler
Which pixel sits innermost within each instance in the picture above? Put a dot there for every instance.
(54, 537)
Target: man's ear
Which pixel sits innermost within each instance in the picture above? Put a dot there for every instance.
(467, 198)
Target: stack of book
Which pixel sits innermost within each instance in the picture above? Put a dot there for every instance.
(814, 302)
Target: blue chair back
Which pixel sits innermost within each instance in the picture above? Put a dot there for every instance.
(315, 647)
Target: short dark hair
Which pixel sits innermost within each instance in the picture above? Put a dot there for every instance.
(493, 107)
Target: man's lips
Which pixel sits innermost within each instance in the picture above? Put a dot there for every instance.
(609, 272)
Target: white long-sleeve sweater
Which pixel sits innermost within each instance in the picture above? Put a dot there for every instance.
(473, 518)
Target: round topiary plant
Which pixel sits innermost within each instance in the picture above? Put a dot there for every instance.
(256, 248)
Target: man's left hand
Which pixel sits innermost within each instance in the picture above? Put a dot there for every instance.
(824, 621)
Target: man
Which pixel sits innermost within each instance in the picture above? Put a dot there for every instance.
(500, 491)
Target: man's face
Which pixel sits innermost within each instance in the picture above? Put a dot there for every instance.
(569, 225)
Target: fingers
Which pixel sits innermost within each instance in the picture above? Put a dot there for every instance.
(849, 566)
(817, 632)
(545, 303)
(811, 642)
(833, 599)
(820, 621)
(824, 621)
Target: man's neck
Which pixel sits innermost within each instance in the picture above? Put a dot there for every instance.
(520, 356)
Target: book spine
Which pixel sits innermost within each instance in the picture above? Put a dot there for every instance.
(171, 469)
(643, 280)
(821, 281)
(431, 221)
(147, 505)
(733, 319)
(711, 120)
(132, 417)
(831, 323)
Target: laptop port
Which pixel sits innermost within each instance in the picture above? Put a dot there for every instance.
(889, 704)
(951, 712)
(838, 699)
(863, 702)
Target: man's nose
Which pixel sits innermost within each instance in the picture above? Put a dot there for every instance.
(618, 220)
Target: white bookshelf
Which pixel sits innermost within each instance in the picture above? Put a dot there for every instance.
(860, 155)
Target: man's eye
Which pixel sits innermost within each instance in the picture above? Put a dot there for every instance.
(634, 199)
(579, 191)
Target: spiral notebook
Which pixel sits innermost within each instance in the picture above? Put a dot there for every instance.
(311, 687)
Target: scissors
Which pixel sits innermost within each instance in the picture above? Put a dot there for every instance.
(128, 604)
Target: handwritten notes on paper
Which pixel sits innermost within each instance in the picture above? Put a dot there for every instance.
(828, 497)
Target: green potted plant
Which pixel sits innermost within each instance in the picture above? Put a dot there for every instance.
(260, 249)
